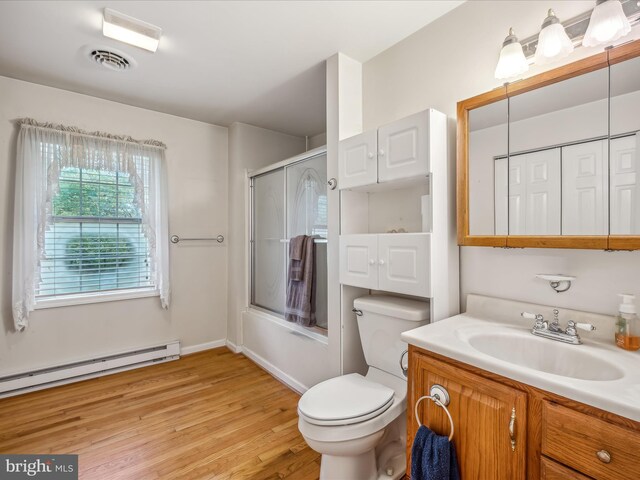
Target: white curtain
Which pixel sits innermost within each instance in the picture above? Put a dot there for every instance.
(43, 151)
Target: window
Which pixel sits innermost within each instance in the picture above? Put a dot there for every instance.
(95, 239)
(90, 220)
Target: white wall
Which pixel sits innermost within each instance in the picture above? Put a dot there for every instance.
(250, 148)
(452, 59)
(318, 140)
(197, 160)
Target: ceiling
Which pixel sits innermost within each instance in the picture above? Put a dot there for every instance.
(257, 62)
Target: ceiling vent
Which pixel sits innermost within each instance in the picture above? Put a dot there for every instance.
(112, 60)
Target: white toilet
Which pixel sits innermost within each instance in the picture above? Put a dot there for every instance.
(358, 423)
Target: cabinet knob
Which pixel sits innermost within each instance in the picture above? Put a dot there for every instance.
(603, 456)
(372, 262)
(370, 155)
(381, 152)
(381, 262)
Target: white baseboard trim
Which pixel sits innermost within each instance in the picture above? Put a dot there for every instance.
(275, 371)
(233, 347)
(202, 346)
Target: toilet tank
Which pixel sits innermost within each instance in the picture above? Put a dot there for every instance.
(383, 319)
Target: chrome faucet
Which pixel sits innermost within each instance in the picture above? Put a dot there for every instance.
(553, 331)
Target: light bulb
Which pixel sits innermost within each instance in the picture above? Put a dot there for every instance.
(553, 41)
(607, 23)
(512, 61)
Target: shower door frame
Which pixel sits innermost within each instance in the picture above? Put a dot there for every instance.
(317, 333)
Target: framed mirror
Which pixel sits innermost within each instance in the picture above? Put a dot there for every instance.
(551, 161)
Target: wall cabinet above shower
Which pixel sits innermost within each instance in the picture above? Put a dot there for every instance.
(396, 213)
(396, 151)
(392, 262)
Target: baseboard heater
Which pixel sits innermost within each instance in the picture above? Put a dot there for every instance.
(74, 372)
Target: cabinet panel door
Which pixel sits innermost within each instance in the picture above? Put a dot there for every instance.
(403, 148)
(359, 260)
(358, 160)
(405, 263)
(481, 410)
(584, 189)
(625, 185)
(501, 196)
(534, 193)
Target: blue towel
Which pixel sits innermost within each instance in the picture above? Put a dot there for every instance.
(433, 457)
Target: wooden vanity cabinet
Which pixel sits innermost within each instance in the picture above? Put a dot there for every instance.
(481, 410)
(553, 437)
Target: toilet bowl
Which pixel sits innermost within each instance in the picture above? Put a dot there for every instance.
(358, 423)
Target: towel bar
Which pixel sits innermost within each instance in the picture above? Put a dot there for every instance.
(440, 396)
(176, 239)
(315, 240)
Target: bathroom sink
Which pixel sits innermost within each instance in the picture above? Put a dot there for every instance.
(521, 348)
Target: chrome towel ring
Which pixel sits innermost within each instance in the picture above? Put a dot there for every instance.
(440, 396)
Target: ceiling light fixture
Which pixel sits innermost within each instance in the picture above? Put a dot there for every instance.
(130, 30)
(608, 23)
(553, 41)
(512, 61)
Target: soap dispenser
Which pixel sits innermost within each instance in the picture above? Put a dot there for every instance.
(628, 324)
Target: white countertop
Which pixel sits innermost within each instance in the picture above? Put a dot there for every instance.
(450, 338)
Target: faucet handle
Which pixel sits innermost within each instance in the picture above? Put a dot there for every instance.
(585, 326)
(540, 323)
(572, 326)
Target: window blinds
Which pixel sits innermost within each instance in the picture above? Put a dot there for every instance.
(94, 239)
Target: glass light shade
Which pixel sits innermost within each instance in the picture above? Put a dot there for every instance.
(607, 24)
(512, 61)
(553, 43)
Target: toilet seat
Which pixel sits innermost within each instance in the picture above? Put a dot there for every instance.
(345, 400)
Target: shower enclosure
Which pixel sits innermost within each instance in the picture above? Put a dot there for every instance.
(287, 200)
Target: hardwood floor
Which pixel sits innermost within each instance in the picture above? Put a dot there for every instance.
(210, 415)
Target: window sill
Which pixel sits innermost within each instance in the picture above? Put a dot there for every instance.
(94, 297)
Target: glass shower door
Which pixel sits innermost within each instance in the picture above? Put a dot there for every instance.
(288, 202)
(307, 215)
(268, 251)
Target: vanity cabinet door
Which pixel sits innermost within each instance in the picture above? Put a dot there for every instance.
(403, 148)
(404, 262)
(358, 160)
(481, 410)
(359, 260)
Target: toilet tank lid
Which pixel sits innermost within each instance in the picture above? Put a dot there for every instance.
(402, 308)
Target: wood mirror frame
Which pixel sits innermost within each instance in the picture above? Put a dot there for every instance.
(600, 242)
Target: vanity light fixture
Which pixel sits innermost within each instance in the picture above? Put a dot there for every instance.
(608, 23)
(553, 41)
(130, 30)
(512, 61)
(576, 27)
(560, 283)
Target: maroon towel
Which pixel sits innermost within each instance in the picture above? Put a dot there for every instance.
(296, 257)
